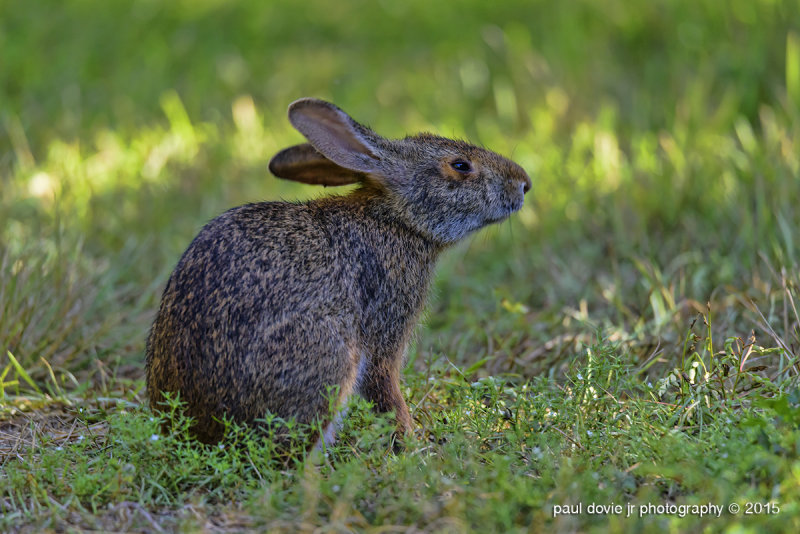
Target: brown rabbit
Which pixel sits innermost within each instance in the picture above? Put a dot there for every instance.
(274, 303)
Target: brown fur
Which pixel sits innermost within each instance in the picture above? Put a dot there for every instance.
(272, 303)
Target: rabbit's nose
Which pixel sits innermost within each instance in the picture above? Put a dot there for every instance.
(517, 173)
(527, 184)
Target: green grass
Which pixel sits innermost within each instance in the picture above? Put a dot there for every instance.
(631, 336)
(490, 454)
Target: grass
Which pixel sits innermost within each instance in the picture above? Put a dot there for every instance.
(630, 337)
(491, 453)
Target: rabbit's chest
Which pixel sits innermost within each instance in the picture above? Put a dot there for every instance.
(390, 287)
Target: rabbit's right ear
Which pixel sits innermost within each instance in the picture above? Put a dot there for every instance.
(303, 163)
(335, 135)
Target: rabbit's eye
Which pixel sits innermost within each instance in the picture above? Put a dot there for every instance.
(461, 166)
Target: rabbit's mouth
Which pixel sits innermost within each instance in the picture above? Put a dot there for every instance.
(505, 213)
(499, 218)
(493, 220)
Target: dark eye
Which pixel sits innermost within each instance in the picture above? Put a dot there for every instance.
(461, 166)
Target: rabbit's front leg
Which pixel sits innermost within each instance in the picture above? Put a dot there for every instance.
(380, 384)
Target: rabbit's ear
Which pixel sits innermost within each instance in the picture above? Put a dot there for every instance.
(302, 163)
(335, 135)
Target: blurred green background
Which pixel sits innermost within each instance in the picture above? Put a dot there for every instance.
(661, 137)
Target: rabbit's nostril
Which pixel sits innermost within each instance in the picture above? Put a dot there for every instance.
(526, 182)
(526, 185)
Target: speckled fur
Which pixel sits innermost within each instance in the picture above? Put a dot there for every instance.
(276, 301)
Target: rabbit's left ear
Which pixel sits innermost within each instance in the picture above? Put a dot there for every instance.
(302, 163)
(335, 135)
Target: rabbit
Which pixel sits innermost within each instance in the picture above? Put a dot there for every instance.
(275, 303)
